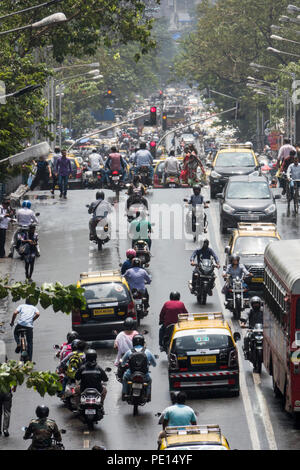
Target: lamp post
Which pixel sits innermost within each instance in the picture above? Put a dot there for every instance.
(49, 20)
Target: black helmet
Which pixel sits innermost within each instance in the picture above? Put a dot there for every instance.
(206, 242)
(197, 189)
(175, 295)
(42, 411)
(77, 345)
(129, 324)
(136, 263)
(91, 356)
(71, 336)
(235, 257)
(255, 300)
(138, 340)
(100, 195)
(136, 179)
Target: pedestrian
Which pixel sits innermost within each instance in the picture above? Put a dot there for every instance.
(5, 409)
(43, 173)
(63, 170)
(4, 221)
(53, 162)
(27, 315)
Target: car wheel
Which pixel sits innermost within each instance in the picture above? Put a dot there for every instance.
(212, 193)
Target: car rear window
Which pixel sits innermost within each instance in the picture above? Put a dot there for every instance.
(235, 159)
(200, 341)
(248, 190)
(112, 291)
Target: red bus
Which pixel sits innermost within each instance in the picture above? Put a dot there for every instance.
(282, 320)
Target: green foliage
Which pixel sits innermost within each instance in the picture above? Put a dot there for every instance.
(14, 373)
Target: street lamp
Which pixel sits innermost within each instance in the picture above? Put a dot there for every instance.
(287, 19)
(93, 64)
(280, 38)
(20, 92)
(49, 20)
(276, 51)
(293, 9)
(35, 7)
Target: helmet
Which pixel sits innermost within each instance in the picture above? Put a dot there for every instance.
(100, 195)
(136, 262)
(77, 345)
(129, 324)
(138, 340)
(130, 254)
(175, 295)
(255, 300)
(91, 356)
(235, 257)
(136, 179)
(42, 411)
(24, 203)
(71, 336)
(197, 189)
(28, 204)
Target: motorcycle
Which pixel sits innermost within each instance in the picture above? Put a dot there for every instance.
(22, 231)
(55, 445)
(196, 221)
(205, 280)
(140, 305)
(255, 352)
(71, 396)
(103, 232)
(167, 338)
(144, 174)
(142, 252)
(89, 180)
(115, 182)
(137, 391)
(172, 181)
(236, 301)
(90, 407)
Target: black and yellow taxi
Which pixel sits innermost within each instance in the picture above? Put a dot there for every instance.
(231, 160)
(249, 241)
(203, 355)
(198, 437)
(108, 302)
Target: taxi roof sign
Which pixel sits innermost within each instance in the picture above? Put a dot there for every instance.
(235, 145)
(250, 227)
(200, 316)
(196, 429)
(87, 275)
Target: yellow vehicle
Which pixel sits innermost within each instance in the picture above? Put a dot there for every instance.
(159, 170)
(249, 241)
(202, 354)
(75, 178)
(202, 437)
(231, 160)
(108, 302)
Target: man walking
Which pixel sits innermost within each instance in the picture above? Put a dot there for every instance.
(4, 221)
(53, 162)
(5, 409)
(63, 169)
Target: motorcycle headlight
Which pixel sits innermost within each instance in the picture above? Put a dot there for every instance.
(228, 209)
(214, 174)
(270, 209)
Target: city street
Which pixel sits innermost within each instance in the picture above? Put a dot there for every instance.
(254, 420)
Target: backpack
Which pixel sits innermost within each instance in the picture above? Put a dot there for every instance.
(74, 363)
(138, 361)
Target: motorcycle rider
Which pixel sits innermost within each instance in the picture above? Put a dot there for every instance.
(197, 199)
(137, 277)
(96, 162)
(30, 242)
(138, 343)
(130, 254)
(293, 173)
(25, 218)
(205, 253)
(234, 269)
(136, 193)
(255, 316)
(91, 375)
(123, 341)
(66, 348)
(41, 430)
(172, 166)
(140, 229)
(71, 363)
(287, 161)
(169, 314)
(143, 158)
(115, 162)
(100, 210)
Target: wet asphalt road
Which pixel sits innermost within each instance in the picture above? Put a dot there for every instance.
(252, 420)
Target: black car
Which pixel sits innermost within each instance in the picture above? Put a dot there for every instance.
(229, 162)
(246, 199)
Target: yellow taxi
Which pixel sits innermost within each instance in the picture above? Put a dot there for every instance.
(198, 437)
(75, 178)
(108, 302)
(249, 241)
(231, 160)
(202, 354)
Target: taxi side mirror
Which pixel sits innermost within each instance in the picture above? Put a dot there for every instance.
(236, 336)
(227, 250)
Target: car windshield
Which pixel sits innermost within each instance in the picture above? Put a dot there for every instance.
(102, 292)
(199, 341)
(252, 245)
(248, 190)
(235, 159)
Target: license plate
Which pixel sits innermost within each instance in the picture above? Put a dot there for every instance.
(257, 279)
(115, 178)
(104, 311)
(138, 301)
(203, 359)
(90, 412)
(139, 386)
(249, 217)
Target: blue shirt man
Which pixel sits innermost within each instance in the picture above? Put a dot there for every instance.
(137, 278)
(179, 414)
(127, 375)
(205, 253)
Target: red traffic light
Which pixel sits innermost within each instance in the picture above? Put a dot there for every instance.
(153, 109)
(152, 144)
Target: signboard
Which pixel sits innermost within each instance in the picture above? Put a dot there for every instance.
(274, 139)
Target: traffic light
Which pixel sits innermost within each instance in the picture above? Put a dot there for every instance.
(153, 116)
(153, 148)
(164, 122)
(109, 92)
